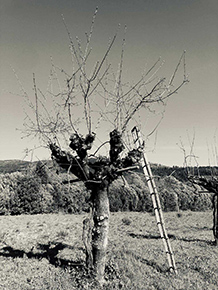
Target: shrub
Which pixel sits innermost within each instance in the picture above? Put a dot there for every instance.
(174, 194)
(144, 199)
(122, 197)
(8, 187)
(41, 172)
(70, 198)
(27, 197)
(47, 198)
(202, 201)
(169, 200)
(29, 193)
(3, 203)
(137, 183)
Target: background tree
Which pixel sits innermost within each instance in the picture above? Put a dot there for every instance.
(205, 180)
(211, 185)
(86, 103)
(41, 172)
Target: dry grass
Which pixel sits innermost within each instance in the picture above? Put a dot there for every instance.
(45, 252)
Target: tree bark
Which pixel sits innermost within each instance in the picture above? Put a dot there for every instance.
(87, 240)
(215, 218)
(100, 230)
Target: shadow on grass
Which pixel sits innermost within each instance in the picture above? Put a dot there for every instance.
(170, 236)
(80, 274)
(150, 263)
(149, 236)
(48, 251)
(193, 228)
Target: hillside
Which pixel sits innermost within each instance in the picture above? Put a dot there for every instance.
(9, 166)
(45, 189)
(180, 173)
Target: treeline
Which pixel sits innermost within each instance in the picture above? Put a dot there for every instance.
(28, 194)
(174, 195)
(10, 166)
(180, 173)
(41, 190)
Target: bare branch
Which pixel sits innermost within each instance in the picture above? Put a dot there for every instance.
(104, 58)
(36, 100)
(176, 69)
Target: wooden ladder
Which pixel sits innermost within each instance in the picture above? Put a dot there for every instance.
(156, 200)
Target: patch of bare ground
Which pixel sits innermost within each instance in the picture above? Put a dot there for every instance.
(46, 252)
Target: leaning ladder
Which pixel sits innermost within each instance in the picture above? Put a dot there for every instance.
(156, 201)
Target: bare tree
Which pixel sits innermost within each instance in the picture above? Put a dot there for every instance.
(77, 104)
(208, 183)
(211, 185)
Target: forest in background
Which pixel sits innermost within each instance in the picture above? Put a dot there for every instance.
(40, 187)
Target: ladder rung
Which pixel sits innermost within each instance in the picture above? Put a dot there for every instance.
(136, 140)
(165, 238)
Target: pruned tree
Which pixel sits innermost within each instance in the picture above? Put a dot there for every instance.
(79, 103)
(211, 185)
(208, 183)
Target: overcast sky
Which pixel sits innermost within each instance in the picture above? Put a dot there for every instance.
(32, 30)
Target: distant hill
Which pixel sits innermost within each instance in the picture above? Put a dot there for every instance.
(180, 173)
(9, 166)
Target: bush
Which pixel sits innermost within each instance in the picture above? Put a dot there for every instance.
(122, 197)
(3, 204)
(169, 200)
(202, 201)
(144, 199)
(173, 194)
(47, 198)
(137, 183)
(27, 197)
(117, 198)
(70, 198)
(8, 187)
(41, 172)
(28, 193)
(20, 193)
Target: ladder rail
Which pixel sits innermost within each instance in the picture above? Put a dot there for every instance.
(156, 202)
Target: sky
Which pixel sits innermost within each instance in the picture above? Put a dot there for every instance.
(31, 31)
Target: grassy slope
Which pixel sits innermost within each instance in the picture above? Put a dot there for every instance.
(45, 252)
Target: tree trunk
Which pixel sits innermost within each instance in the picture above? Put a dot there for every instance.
(101, 214)
(215, 218)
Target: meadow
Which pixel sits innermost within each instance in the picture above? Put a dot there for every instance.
(45, 251)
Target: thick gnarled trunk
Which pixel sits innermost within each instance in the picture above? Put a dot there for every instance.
(97, 173)
(100, 230)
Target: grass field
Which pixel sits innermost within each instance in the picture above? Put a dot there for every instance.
(46, 252)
